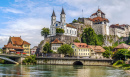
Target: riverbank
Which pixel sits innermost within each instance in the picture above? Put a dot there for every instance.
(121, 64)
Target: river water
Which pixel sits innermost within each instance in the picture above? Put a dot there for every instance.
(60, 71)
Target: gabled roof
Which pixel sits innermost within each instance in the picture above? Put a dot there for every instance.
(97, 19)
(117, 26)
(9, 45)
(122, 46)
(56, 41)
(81, 45)
(62, 12)
(18, 41)
(97, 48)
(25, 42)
(53, 14)
(98, 11)
(69, 25)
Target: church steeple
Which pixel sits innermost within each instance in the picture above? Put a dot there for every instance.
(62, 12)
(53, 14)
(53, 18)
(62, 16)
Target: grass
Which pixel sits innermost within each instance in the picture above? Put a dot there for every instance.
(121, 64)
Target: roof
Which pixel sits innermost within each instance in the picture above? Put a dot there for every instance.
(97, 48)
(122, 46)
(98, 11)
(117, 26)
(56, 41)
(97, 19)
(81, 45)
(18, 41)
(9, 45)
(25, 42)
(62, 12)
(12, 50)
(53, 14)
(69, 25)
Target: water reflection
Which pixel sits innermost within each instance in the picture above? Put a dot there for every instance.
(59, 71)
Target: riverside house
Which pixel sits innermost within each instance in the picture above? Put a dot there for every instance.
(81, 50)
(17, 45)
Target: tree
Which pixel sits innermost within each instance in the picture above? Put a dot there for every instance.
(46, 48)
(45, 32)
(100, 39)
(30, 59)
(120, 54)
(74, 21)
(76, 40)
(89, 37)
(107, 53)
(59, 30)
(65, 49)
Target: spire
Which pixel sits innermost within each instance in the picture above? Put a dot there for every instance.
(53, 14)
(62, 12)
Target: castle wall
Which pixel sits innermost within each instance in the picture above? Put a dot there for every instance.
(99, 28)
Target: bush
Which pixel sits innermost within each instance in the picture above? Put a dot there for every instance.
(119, 62)
(59, 30)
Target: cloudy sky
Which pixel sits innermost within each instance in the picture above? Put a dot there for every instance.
(26, 18)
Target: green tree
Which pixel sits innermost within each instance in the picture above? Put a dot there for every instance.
(65, 49)
(45, 32)
(100, 39)
(74, 21)
(46, 48)
(107, 53)
(59, 30)
(120, 54)
(89, 37)
(76, 40)
(30, 59)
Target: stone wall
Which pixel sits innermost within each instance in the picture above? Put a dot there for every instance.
(65, 39)
(71, 61)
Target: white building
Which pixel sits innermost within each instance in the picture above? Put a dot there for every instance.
(33, 50)
(68, 28)
(56, 44)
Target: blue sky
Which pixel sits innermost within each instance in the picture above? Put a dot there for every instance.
(26, 18)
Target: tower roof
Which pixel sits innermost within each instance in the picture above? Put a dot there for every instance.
(62, 12)
(53, 14)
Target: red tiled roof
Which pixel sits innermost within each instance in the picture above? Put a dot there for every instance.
(97, 19)
(97, 48)
(97, 11)
(9, 45)
(18, 41)
(117, 26)
(25, 42)
(81, 45)
(13, 50)
(122, 46)
(56, 41)
(69, 25)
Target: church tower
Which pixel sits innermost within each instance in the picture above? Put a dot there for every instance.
(53, 18)
(62, 16)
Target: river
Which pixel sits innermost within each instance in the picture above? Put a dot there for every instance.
(60, 71)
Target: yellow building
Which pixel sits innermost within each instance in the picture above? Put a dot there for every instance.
(17, 45)
(81, 50)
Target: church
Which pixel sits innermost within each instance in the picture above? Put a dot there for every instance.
(69, 30)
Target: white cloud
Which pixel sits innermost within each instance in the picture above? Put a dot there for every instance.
(12, 10)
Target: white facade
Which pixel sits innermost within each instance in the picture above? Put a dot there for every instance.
(55, 47)
(70, 31)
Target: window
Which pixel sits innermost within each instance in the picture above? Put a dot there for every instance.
(75, 49)
(84, 49)
(56, 24)
(79, 49)
(75, 53)
(72, 46)
(88, 53)
(79, 53)
(88, 49)
(70, 31)
(67, 30)
(84, 53)
(75, 32)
